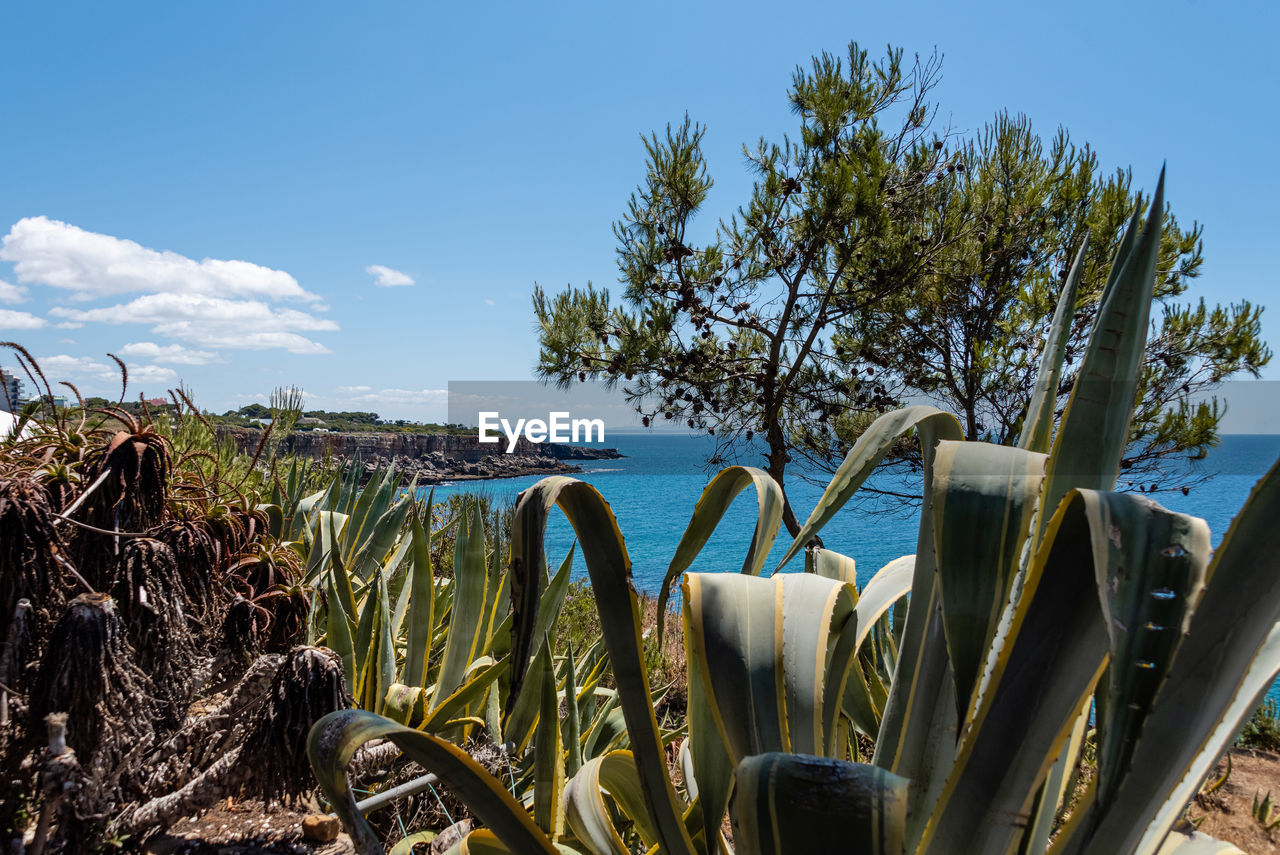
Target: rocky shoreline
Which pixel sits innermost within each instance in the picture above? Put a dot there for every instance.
(436, 468)
(433, 458)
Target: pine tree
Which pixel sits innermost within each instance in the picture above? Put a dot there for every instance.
(1011, 214)
(877, 259)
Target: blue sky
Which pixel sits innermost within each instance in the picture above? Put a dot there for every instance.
(214, 191)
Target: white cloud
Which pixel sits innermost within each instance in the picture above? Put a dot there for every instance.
(212, 303)
(351, 390)
(11, 320)
(212, 321)
(172, 353)
(77, 368)
(64, 364)
(88, 264)
(489, 302)
(10, 293)
(387, 277)
(151, 374)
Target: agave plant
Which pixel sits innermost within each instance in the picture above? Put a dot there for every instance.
(426, 650)
(1038, 601)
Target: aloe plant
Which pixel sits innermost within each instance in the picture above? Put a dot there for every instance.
(1036, 598)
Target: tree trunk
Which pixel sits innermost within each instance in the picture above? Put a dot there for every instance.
(777, 467)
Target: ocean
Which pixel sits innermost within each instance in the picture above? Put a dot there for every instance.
(654, 487)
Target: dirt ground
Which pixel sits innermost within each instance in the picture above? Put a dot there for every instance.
(244, 828)
(1228, 811)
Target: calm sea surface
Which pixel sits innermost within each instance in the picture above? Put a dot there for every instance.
(653, 489)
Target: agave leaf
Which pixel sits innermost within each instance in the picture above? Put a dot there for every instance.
(338, 570)
(917, 730)
(571, 734)
(772, 655)
(707, 746)
(275, 519)
(519, 724)
(482, 841)
(421, 607)
(791, 803)
(685, 759)
(548, 754)
(370, 505)
(984, 497)
(549, 606)
(497, 598)
(525, 570)
(871, 447)
(407, 843)
(1045, 668)
(374, 649)
(323, 539)
(470, 579)
(833, 565)
(493, 715)
(587, 812)
(607, 729)
(609, 568)
(336, 738)
(1227, 657)
(366, 627)
(863, 699)
(381, 537)
(716, 498)
(343, 500)
(768, 661)
(863, 707)
(302, 513)
(338, 633)
(1037, 429)
(1196, 844)
(1253, 690)
(891, 583)
(1048, 800)
(482, 674)
(404, 704)
(384, 651)
(353, 503)
(1154, 573)
(395, 571)
(733, 647)
(819, 642)
(596, 663)
(1095, 426)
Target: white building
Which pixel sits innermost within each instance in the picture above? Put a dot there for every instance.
(10, 392)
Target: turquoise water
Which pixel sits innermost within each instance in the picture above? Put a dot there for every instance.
(654, 488)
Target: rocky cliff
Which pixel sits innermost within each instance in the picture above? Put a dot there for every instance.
(441, 457)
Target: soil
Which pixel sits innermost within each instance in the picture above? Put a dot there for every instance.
(1228, 811)
(247, 827)
(244, 828)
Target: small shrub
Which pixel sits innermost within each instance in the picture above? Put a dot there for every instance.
(1263, 729)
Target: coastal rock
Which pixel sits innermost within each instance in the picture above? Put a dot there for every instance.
(432, 458)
